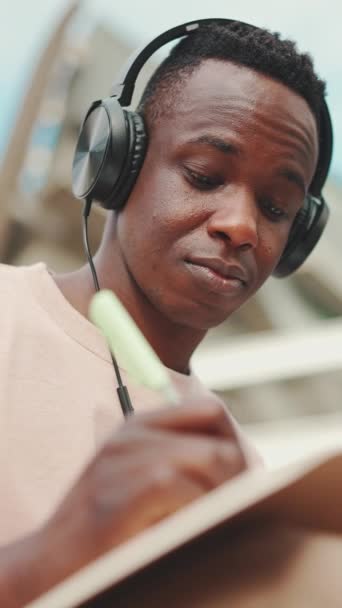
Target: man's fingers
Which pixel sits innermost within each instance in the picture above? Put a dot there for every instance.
(207, 418)
(148, 495)
(169, 490)
(214, 463)
(209, 460)
(154, 489)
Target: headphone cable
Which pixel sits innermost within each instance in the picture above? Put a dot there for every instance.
(123, 394)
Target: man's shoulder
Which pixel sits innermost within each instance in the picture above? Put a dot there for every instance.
(16, 275)
(7, 270)
(9, 277)
(15, 286)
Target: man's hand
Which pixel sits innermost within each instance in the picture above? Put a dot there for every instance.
(153, 465)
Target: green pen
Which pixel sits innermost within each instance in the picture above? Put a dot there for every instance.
(129, 345)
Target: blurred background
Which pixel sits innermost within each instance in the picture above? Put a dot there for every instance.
(277, 362)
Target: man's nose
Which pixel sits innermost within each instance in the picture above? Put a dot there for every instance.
(235, 219)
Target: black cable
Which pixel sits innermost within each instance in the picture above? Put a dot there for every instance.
(123, 394)
(86, 211)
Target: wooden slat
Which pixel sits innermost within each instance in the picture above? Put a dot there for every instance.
(272, 356)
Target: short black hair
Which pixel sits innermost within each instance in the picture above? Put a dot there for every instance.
(242, 44)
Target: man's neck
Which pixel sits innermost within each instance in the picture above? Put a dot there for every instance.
(173, 343)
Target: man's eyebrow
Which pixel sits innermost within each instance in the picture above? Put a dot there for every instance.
(216, 142)
(294, 177)
(228, 148)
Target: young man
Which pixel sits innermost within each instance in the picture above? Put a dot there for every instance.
(232, 120)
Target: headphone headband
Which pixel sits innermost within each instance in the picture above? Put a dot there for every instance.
(123, 87)
(325, 151)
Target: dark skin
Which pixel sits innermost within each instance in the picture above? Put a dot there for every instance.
(224, 176)
(195, 199)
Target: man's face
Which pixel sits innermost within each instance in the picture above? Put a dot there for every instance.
(223, 179)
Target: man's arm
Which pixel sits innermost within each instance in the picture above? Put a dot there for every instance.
(152, 466)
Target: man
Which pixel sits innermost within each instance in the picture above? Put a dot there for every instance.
(232, 118)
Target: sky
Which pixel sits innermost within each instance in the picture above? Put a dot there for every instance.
(314, 24)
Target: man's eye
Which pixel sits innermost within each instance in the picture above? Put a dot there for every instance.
(272, 211)
(203, 181)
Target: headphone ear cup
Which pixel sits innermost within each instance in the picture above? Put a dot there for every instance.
(136, 149)
(305, 233)
(95, 170)
(109, 153)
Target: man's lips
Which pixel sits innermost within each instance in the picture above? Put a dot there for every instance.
(215, 276)
(223, 269)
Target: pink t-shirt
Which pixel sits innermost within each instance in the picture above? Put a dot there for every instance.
(58, 400)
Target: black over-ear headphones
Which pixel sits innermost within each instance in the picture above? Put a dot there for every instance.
(112, 143)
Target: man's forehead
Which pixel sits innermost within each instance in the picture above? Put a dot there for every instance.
(223, 92)
(223, 83)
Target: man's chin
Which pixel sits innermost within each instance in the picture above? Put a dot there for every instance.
(187, 309)
(200, 318)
